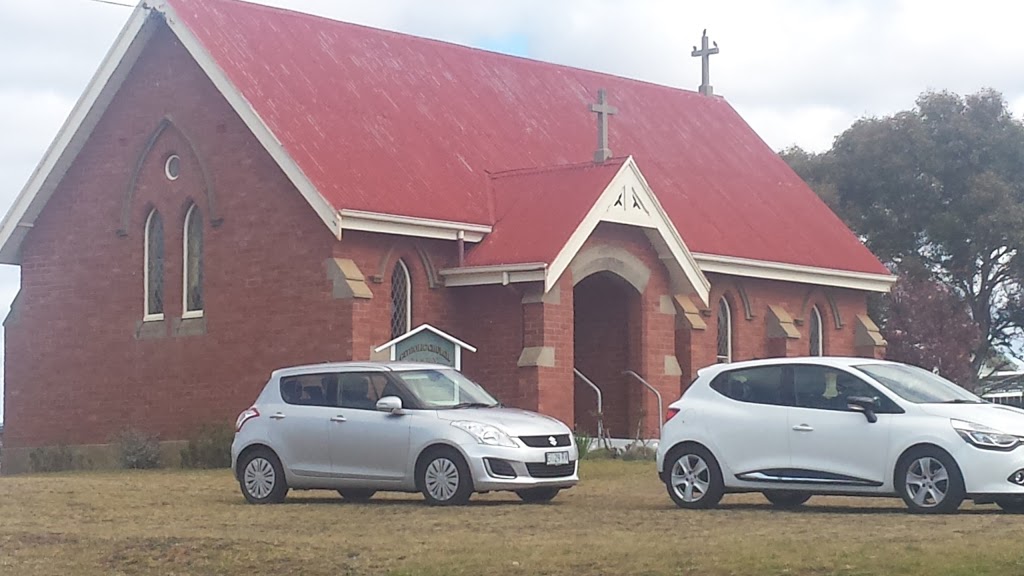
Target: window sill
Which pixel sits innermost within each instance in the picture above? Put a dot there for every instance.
(153, 318)
(192, 314)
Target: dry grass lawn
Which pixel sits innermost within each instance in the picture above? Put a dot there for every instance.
(618, 521)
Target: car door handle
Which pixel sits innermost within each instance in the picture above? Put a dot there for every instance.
(338, 418)
(277, 416)
(803, 428)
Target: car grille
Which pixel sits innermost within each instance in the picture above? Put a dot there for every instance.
(500, 468)
(541, 470)
(545, 441)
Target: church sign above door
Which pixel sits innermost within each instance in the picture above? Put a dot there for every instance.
(428, 345)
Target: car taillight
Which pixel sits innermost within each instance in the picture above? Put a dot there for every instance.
(244, 417)
(671, 413)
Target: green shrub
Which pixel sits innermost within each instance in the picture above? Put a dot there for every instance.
(56, 459)
(600, 454)
(209, 447)
(137, 450)
(583, 444)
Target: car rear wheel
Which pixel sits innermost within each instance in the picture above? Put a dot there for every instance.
(693, 477)
(1012, 504)
(262, 477)
(930, 482)
(357, 494)
(444, 478)
(537, 495)
(786, 498)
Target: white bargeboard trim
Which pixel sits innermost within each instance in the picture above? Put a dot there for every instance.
(795, 273)
(500, 274)
(410, 226)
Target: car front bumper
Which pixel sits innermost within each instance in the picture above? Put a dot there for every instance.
(491, 467)
(990, 471)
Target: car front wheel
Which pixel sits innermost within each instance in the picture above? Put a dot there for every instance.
(930, 482)
(786, 498)
(693, 477)
(262, 478)
(444, 478)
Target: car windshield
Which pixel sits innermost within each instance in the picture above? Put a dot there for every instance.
(917, 385)
(444, 389)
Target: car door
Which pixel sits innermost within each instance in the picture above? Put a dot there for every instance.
(831, 444)
(750, 430)
(299, 425)
(365, 443)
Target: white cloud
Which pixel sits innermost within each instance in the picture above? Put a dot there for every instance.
(799, 71)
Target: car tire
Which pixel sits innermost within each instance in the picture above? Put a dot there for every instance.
(693, 477)
(262, 477)
(538, 495)
(357, 494)
(929, 481)
(1011, 504)
(444, 478)
(786, 498)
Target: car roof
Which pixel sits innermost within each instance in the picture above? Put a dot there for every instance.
(831, 361)
(355, 367)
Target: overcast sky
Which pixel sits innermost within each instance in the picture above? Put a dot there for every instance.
(799, 71)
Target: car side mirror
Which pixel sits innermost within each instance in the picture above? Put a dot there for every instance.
(865, 405)
(392, 404)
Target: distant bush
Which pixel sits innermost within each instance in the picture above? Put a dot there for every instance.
(56, 459)
(583, 444)
(638, 451)
(209, 447)
(137, 450)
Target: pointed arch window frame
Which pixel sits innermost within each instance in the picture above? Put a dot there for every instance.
(816, 341)
(402, 268)
(147, 314)
(723, 305)
(193, 209)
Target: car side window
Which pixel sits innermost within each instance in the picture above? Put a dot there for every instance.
(761, 385)
(824, 388)
(361, 390)
(309, 390)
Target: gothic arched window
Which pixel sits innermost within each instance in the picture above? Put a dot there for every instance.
(401, 300)
(724, 331)
(192, 283)
(817, 344)
(153, 267)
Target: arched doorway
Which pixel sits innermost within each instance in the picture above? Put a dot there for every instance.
(607, 339)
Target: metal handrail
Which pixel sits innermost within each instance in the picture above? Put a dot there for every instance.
(657, 394)
(600, 404)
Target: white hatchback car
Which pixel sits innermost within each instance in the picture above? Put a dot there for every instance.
(359, 428)
(791, 428)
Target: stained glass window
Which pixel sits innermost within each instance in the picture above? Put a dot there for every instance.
(154, 266)
(400, 300)
(817, 349)
(193, 260)
(724, 331)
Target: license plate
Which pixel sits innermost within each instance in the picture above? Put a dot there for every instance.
(556, 458)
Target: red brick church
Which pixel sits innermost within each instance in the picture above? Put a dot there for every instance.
(243, 188)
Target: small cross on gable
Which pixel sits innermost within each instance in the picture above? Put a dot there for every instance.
(705, 54)
(603, 110)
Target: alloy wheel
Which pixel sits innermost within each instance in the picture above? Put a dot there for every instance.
(690, 478)
(927, 482)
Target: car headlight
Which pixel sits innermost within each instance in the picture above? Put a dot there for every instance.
(486, 434)
(985, 437)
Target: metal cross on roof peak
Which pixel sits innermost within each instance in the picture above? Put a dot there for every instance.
(603, 110)
(705, 55)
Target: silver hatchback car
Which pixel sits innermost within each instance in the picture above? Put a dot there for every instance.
(360, 428)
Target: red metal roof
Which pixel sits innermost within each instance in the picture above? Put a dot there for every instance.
(536, 210)
(385, 122)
